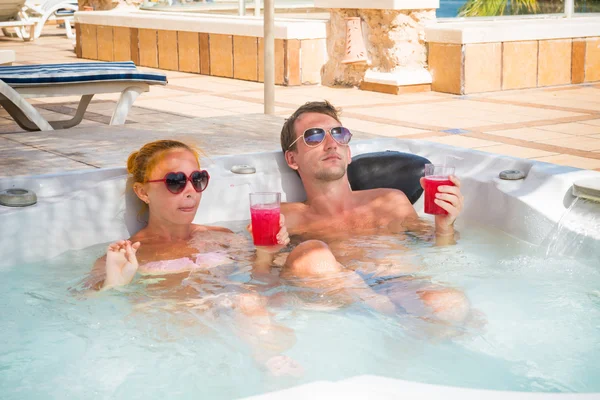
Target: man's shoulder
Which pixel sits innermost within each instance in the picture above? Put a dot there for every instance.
(383, 194)
(389, 202)
(295, 215)
(293, 205)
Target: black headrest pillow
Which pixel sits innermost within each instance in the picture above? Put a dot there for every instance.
(388, 169)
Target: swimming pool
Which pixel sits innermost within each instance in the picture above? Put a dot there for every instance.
(57, 344)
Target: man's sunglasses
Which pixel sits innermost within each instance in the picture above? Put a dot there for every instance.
(315, 136)
(176, 181)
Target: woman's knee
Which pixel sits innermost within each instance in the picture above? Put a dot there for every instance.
(311, 258)
(251, 304)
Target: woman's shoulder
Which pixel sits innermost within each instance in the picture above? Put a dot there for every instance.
(139, 236)
(207, 228)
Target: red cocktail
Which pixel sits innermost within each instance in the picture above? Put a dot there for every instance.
(436, 176)
(264, 210)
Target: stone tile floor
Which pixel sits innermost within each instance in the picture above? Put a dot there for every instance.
(224, 116)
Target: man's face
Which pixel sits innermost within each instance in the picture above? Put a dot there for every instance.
(325, 162)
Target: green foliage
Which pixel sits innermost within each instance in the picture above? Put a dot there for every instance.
(488, 8)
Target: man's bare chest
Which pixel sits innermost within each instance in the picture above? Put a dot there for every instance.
(344, 223)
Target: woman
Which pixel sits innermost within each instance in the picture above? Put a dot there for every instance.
(168, 179)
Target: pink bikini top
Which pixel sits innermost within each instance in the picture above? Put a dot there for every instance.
(206, 260)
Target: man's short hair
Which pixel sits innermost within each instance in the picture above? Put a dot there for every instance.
(288, 134)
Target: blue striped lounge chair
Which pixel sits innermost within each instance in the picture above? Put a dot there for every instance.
(17, 83)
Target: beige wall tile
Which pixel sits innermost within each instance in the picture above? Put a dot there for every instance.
(148, 47)
(78, 40)
(313, 55)
(529, 134)
(122, 43)
(261, 59)
(572, 161)
(519, 65)
(167, 50)
(292, 75)
(592, 60)
(189, 51)
(554, 62)
(517, 151)
(578, 61)
(105, 43)
(89, 45)
(483, 67)
(204, 54)
(221, 55)
(463, 141)
(279, 61)
(595, 122)
(245, 58)
(446, 67)
(134, 46)
(573, 128)
(584, 143)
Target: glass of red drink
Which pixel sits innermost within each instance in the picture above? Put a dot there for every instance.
(264, 210)
(436, 176)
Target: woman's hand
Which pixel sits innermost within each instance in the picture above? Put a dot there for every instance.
(283, 237)
(121, 263)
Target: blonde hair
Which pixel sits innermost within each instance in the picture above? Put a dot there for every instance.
(141, 162)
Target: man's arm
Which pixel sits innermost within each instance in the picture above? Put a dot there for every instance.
(451, 200)
(406, 218)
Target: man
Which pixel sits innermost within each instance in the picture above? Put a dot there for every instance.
(316, 146)
(322, 160)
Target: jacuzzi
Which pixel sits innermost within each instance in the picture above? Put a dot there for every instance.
(77, 210)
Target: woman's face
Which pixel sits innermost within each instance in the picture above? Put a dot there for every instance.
(172, 208)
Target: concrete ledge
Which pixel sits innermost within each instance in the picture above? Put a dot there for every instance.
(397, 82)
(206, 23)
(400, 77)
(467, 32)
(380, 4)
(395, 90)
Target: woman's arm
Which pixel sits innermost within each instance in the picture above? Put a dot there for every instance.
(95, 278)
(116, 268)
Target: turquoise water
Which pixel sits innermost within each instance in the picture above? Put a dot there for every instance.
(449, 8)
(536, 328)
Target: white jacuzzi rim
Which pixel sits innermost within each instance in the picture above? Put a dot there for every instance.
(566, 173)
(357, 147)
